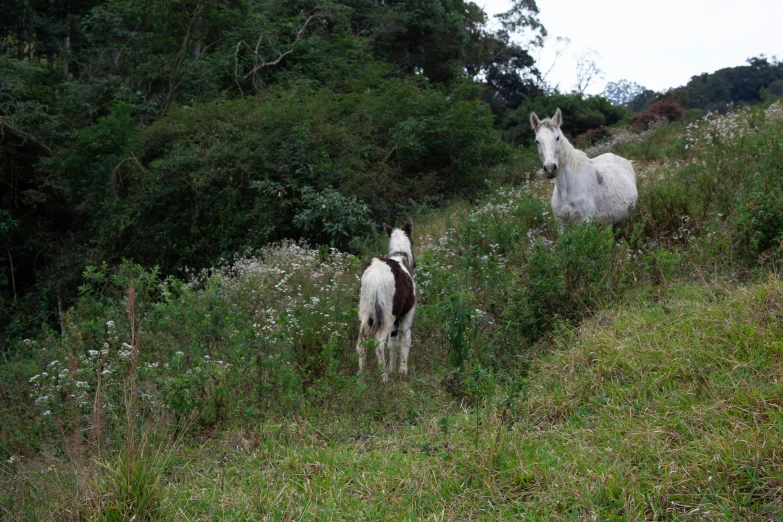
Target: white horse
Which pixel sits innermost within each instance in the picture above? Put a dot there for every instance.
(603, 188)
(387, 301)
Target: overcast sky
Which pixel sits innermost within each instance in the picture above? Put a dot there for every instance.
(657, 44)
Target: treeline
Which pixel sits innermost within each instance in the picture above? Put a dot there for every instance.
(714, 92)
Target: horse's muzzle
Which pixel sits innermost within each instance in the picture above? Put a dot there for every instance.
(551, 171)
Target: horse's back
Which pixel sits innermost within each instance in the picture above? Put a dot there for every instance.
(618, 180)
(617, 165)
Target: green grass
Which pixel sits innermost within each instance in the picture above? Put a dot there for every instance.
(669, 411)
(651, 411)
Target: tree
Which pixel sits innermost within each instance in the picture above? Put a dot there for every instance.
(587, 70)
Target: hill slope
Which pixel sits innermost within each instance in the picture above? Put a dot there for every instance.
(608, 373)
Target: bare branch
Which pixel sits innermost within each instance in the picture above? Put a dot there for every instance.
(561, 44)
(587, 70)
(174, 84)
(24, 136)
(257, 55)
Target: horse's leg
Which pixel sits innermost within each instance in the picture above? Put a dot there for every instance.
(394, 347)
(360, 347)
(382, 339)
(404, 332)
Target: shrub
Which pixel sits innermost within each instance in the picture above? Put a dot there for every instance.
(666, 109)
(570, 277)
(331, 218)
(297, 163)
(592, 136)
(758, 225)
(775, 89)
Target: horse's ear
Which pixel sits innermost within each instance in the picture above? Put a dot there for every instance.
(408, 227)
(388, 229)
(557, 119)
(534, 121)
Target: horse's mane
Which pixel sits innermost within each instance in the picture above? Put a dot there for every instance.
(574, 158)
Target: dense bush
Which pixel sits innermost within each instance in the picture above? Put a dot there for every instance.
(568, 279)
(758, 225)
(261, 335)
(296, 163)
(776, 88)
(580, 114)
(592, 136)
(716, 192)
(666, 109)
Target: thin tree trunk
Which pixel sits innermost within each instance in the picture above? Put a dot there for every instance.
(60, 312)
(13, 278)
(67, 53)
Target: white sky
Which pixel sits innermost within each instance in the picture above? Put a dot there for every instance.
(656, 44)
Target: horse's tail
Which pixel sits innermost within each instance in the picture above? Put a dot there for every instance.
(376, 314)
(371, 309)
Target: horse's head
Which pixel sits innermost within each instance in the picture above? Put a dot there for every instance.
(401, 243)
(548, 141)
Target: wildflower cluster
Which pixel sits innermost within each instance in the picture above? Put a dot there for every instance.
(716, 129)
(68, 388)
(252, 325)
(774, 113)
(289, 290)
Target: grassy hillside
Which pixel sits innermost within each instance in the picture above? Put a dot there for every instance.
(558, 373)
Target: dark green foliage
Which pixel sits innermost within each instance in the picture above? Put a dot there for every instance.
(566, 280)
(508, 69)
(461, 328)
(424, 34)
(580, 114)
(35, 115)
(643, 100)
(351, 129)
(737, 85)
(758, 225)
(153, 54)
(296, 163)
(775, 89)
(91, 169)
(331, 218)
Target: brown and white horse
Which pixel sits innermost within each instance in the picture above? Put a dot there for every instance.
(387, 301)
